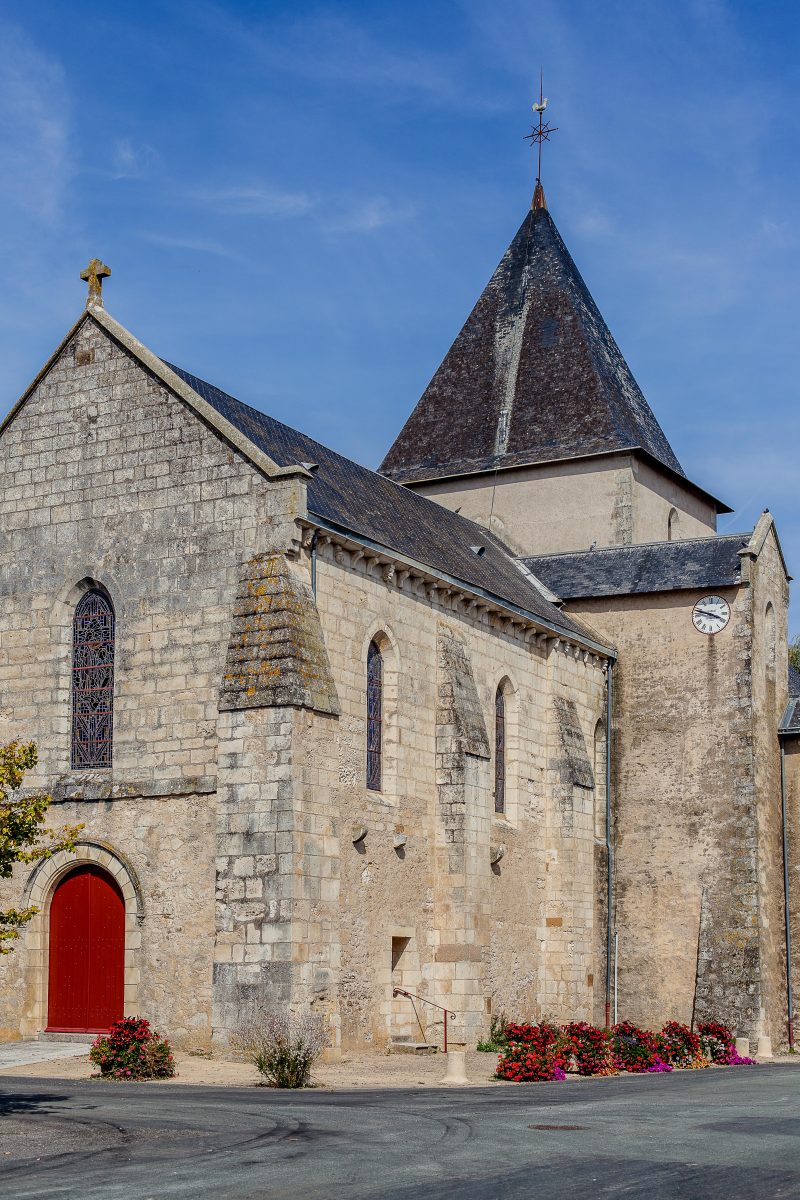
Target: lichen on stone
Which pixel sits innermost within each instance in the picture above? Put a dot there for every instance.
(276, 651)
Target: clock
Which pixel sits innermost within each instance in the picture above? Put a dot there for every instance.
(711, 614)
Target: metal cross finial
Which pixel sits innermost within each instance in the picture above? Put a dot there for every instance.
(94, 274)
(540, 133)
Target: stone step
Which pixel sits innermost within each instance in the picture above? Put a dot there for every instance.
(84, 1039)
(401, 1045)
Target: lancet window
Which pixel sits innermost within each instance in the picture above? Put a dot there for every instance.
(374, 716)
(92, 682)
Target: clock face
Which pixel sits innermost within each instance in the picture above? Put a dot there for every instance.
(711, 614)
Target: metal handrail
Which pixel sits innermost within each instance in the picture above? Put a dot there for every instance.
(424, 1000)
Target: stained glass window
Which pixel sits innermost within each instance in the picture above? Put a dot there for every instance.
(374, 716)
(499, 752)
(92, 682)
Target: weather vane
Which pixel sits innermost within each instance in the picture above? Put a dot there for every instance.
(541, 132)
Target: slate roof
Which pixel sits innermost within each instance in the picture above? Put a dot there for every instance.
(533, 376)
(710, 562)
(794, 681)
(360, 501)
(790, 721)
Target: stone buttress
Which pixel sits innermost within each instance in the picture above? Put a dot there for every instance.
(277, 864)
(463, 832)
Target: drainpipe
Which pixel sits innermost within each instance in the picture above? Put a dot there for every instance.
(314, 537)
(609, 848)
(786, 910)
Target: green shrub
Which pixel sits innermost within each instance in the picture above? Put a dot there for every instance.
(132, 1050)
(283, 1046)
(497, 1039)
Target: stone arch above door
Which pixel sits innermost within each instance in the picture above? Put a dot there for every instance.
(39, 891)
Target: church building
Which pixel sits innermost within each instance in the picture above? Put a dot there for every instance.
(503, 727)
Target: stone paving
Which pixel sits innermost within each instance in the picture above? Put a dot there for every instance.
(24, 1054)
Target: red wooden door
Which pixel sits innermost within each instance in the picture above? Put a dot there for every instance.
(87, 953)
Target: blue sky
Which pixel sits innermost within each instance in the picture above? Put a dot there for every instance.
(301, 202)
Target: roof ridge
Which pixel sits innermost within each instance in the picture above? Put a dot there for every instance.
(358, 501)
(713, 537)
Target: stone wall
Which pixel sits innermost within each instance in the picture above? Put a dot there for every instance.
(514, 935)
(696, 804)
(239, 737)
(550, 508)
(107, 477)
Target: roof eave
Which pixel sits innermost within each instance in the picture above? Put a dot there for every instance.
(720, 506)
(551, 627)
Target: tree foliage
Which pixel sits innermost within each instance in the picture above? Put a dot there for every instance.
(794, 653)
(23, 838)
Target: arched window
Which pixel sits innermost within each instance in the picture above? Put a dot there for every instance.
(600, 781)
(374, 716)
(92, 682)
(499, 751)
(672, 524)
(770, 638)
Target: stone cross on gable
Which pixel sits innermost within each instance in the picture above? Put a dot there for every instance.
(94, 274)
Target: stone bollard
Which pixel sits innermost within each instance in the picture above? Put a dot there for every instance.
(764, 1047)
(743, 1047)
(456, 1064)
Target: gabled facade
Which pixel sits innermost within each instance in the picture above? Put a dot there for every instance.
(194, 605)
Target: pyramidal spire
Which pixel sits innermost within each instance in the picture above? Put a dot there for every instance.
(534, 375)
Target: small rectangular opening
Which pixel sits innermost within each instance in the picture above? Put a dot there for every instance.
(399, 944)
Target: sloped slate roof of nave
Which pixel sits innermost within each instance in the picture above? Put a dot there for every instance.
(709, 562)
(360, 501)
(534, 376)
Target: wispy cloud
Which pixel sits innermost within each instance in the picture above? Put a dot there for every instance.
(34, 128)
(195, 245)
(255, 201)
(132, 160)
(370, 215)
(333, 47)
(333, 214)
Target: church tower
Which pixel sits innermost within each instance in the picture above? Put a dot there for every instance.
(534, 425)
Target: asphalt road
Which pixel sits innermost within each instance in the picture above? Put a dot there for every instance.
(703, 1134)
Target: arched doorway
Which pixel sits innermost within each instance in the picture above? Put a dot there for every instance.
(87, 953)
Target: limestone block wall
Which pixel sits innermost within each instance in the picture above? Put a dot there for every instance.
(160, 850)
(106, 477)
(550, 508)
(792, 770)
(769, 590)
(523, 941)
(694, 830)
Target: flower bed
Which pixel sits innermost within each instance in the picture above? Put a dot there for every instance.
(545, 1052)
(132, 1050)
(591, 1049)
(534, 1053)
(719, 1045)
(638, 1050)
